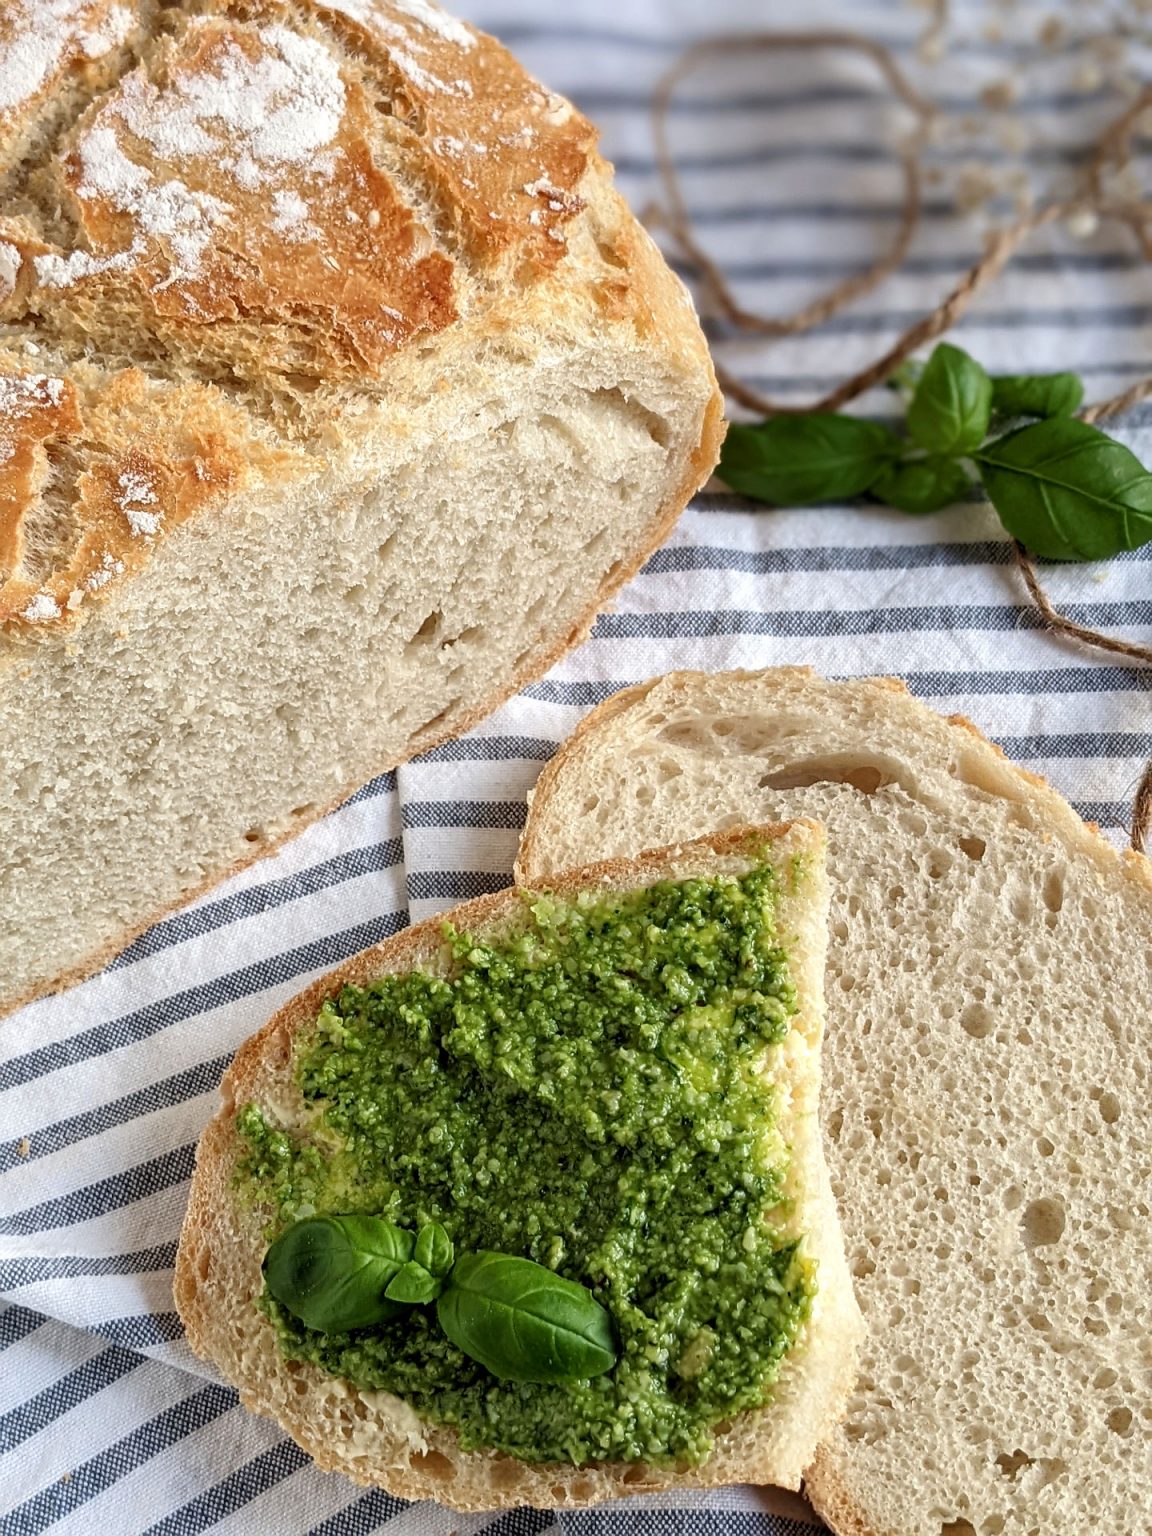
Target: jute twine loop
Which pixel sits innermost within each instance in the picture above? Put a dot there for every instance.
(1111, 150)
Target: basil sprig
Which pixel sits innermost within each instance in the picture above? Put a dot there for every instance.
(1064, 488)
(525, 1323)
(422, 1278)
(516, 1318)
(332, 1272)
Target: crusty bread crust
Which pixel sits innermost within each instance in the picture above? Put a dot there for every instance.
(648, 295)
(375, 1438)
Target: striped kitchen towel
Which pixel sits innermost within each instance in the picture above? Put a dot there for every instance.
(106, 1421)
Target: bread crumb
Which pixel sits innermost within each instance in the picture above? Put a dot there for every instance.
(24, 1147)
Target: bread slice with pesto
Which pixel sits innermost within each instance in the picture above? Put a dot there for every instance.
(615, 1076)
(986, 1082)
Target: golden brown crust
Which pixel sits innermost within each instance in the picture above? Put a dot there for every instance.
(317, 238)
(218, 1264)
(289, 187)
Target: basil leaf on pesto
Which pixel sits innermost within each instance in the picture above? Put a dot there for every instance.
(414, 1286)
(332, 1271)
(434, 1249)
(522, 1322)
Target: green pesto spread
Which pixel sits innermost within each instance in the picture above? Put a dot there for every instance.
(589, 1095)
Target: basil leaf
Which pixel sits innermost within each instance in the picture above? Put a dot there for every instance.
(524, 1323)
(792, 461)
(433, 1249)
(332, 1271)
(1067, 490)
(413, 1285)
(951, 404)
(1037, 394)
(922, 485)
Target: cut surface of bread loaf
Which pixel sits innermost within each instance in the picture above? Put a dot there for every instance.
(987, 1070)
(338, 390)
(376, 1437)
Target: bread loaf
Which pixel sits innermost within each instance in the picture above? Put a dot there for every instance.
(377, 1438)
(338, 389)
(986, 1082)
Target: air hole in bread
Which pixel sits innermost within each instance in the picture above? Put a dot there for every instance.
(254, 835)
(1119, 1421)
(974, 847)
(1053, 892)
(433, 1465)
(867, 777)
(639, 1472)
(356, 595)
(657, 428)
(594, 545)
(1042, 1223)
(429, 628)
(1010, 1464)
(1109, 1107)
(958, 1528)
(686, 733)
(386, 550)
(467, 636)
(977, 1021)
(504, 1474)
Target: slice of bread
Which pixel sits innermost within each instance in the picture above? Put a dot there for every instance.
(376, 1438)
(987, 1077)
(339, 389)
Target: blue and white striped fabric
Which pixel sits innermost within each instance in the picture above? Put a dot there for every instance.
(105, 1418)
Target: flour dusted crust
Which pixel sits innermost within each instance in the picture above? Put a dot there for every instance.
(374, 1437)
(287, 194)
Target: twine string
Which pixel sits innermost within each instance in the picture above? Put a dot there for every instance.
(1111, 150)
